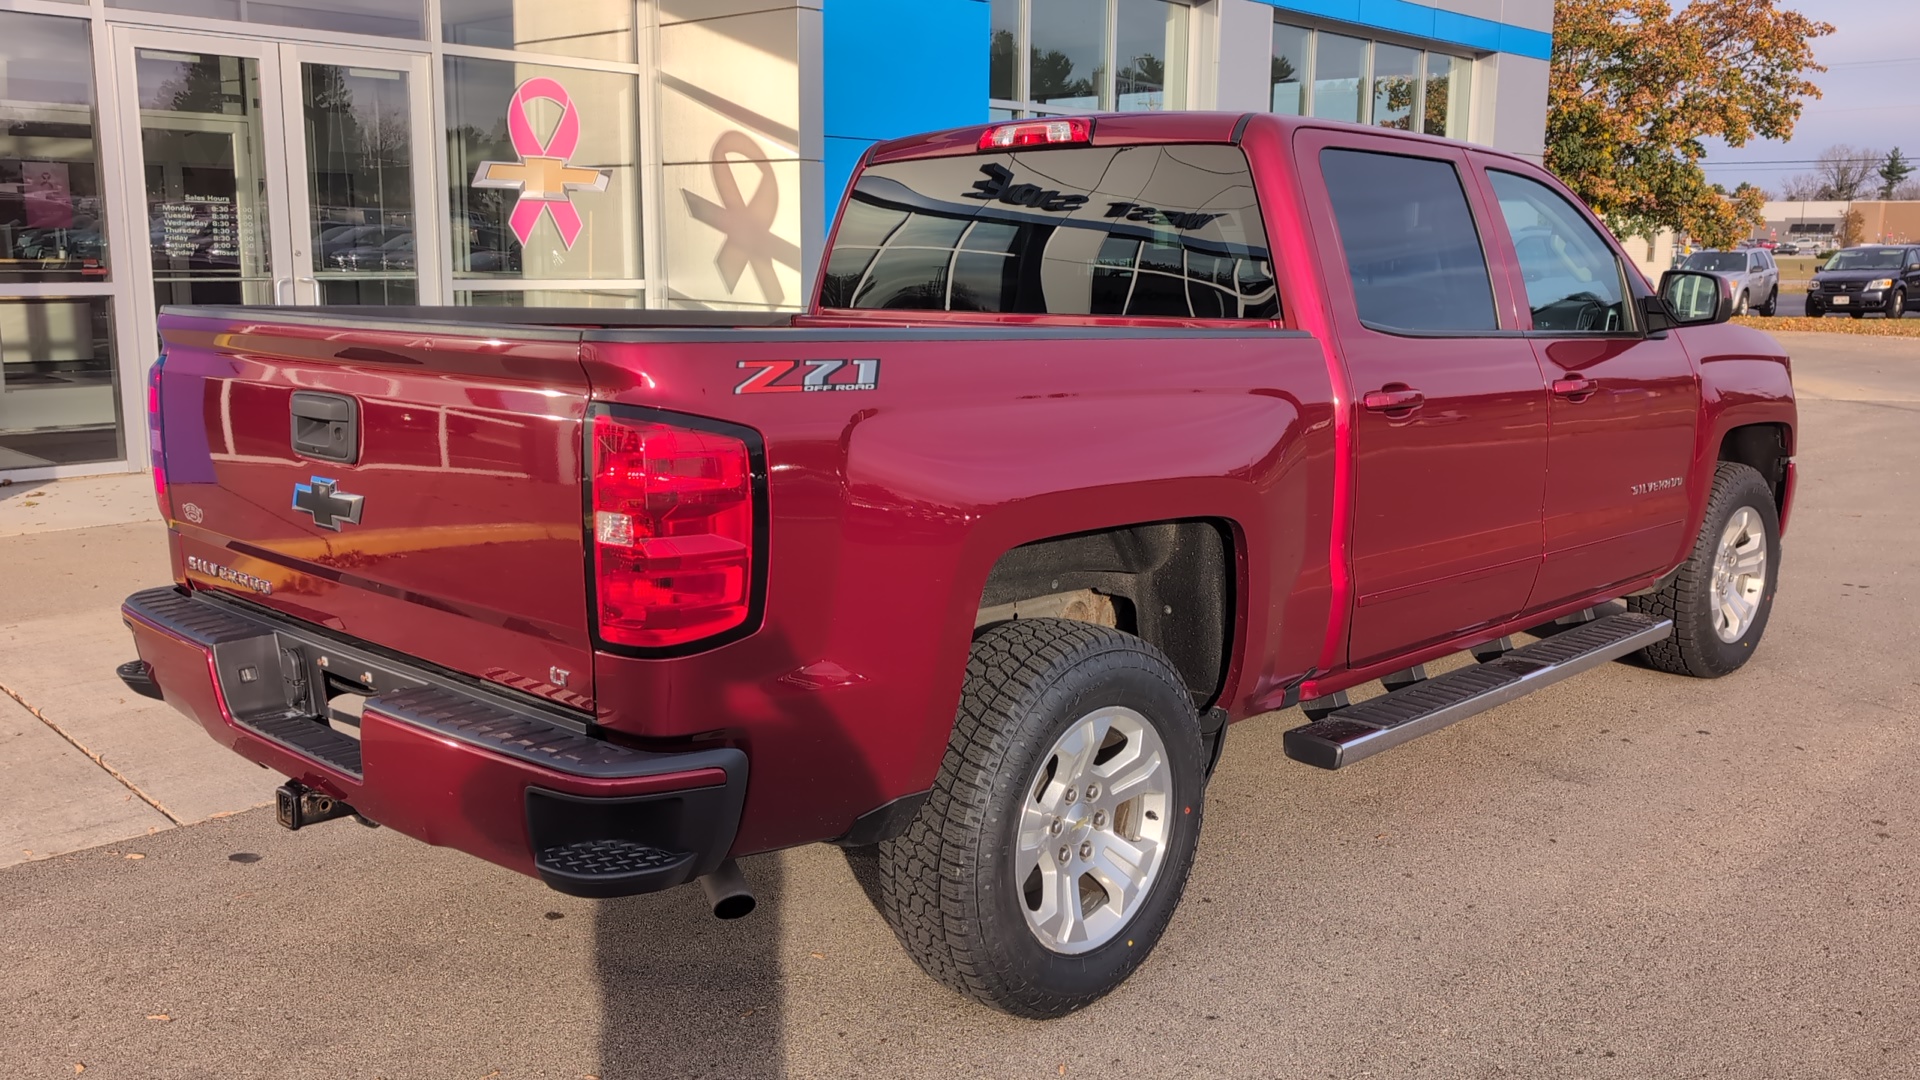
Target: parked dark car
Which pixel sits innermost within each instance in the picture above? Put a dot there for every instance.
(1867, 278)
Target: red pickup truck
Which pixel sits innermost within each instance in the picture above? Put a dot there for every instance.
(1099, 435)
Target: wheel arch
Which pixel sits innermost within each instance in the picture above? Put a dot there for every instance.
(1766, 448)
(1175, 583)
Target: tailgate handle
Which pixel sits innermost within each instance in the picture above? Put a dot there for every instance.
(326, 426)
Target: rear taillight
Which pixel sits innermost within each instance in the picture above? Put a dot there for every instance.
(156, 452)
(672, 532)
(1037, 133)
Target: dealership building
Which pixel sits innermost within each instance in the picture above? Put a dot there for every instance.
(579, 153)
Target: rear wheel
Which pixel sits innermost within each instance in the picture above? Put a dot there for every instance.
(1720, 598)
(1057, 840)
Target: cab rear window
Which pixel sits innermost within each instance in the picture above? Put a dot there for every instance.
(1131, 230)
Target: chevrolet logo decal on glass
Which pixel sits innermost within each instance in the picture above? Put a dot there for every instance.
(327, 505)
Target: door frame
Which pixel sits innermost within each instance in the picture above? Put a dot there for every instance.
(429, 245)
(285, 168)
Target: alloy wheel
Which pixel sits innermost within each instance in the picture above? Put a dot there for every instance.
(1739, 574)
(1092, 830)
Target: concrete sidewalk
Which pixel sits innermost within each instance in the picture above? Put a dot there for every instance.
(84, 762)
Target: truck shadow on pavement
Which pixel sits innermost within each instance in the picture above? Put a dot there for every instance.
(686, 995)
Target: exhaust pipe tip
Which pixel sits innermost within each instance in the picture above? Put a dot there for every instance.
(727, 891)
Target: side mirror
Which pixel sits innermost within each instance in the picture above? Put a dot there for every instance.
(1696, 299)
(1913, 266)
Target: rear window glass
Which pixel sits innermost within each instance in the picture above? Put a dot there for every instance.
(1131, 230)
(1412, 250)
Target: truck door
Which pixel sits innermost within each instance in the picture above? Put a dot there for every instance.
(1449, 409)
(1624, 404)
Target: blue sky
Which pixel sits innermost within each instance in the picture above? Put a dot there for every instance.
(1871, 87)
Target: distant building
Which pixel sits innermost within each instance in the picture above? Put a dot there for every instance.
(1818, 222)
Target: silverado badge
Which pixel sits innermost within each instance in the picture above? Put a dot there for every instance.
(328, 506)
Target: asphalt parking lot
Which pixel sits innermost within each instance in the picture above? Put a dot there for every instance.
(1628, 875)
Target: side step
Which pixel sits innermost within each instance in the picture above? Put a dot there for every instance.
(1361, 731)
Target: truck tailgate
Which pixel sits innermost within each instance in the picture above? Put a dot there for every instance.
(433, 506)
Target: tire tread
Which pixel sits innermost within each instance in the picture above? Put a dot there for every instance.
(926, 875)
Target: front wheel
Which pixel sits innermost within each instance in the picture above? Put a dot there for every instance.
(1056, 842)
(1740, 303)
(1720, 598)
(1772, 306)
(1897, 307)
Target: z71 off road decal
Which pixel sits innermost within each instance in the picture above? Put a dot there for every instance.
(801, 376)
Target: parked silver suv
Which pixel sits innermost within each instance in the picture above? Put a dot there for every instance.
(1754, 274)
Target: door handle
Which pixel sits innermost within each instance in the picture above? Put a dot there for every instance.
(1403, 400)
(277, 282)
(311, 281)
(1577, 389)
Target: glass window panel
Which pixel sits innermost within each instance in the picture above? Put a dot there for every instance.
(1572, 277)
(1290, 45)
(1059, 231)
(359, 134)
(1004, 52)
(384, 18)
(562, 298)
(1412, 252)
(486, 235)
(906, 278)
(1339, 66)
(983, 281)
(58, 401)
(593, 29)
(1151, 55)
(1396, 75)
(202, 149)
(1449, 79)
(1068, 54)
(52, 224)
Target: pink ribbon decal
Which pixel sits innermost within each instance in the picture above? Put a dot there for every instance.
(543, 178)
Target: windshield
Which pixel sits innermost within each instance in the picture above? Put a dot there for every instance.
(1866, 259)
(1716, 260)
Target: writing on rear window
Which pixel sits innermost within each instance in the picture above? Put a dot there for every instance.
(1170, 230)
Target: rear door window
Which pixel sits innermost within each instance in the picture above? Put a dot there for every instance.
(1412, 251)
(1574, 282)
(1169, 230)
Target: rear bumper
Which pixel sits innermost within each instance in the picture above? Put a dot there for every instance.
(441, 760)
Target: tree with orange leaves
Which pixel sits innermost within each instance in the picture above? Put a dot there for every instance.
(1636, 86)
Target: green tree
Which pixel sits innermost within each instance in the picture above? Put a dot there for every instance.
(1893, 172)
(1636, 87)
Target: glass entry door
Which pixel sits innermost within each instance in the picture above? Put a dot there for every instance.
(277, 173)
(357, 146)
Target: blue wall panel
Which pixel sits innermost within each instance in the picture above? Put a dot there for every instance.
(895, 68)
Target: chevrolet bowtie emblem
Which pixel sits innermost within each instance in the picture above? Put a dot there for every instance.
(328, 506)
